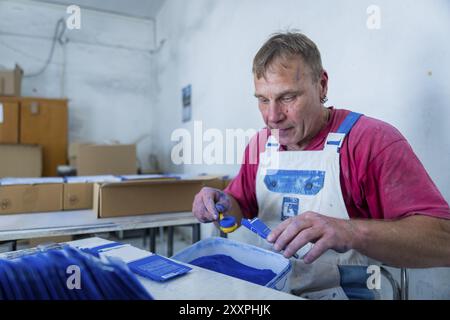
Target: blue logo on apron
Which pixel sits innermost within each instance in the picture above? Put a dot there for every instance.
(304, 182)
(289, 207)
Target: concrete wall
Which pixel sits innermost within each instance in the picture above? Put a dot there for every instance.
(105, 69)
(397, 73)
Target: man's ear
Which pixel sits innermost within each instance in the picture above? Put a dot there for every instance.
(323, 82)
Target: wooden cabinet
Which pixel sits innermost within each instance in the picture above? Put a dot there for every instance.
(43, 122)
(9, 122)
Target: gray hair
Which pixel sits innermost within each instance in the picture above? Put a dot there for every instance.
(286, 46)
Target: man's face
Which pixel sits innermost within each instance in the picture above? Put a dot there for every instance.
(289, 101)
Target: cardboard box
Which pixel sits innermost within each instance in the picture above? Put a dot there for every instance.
(20, 160)
(91, 159)
(72, 152)
(28, 198)
(47, 240)
(212, 181)
(78, 191)
(129, 198)
(78, 196)
(11, 81)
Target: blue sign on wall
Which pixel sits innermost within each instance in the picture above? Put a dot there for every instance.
(187, 105)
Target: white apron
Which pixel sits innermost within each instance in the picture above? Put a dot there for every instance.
(289, 183)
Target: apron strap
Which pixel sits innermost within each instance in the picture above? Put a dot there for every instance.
(335, 139)
(349, 122)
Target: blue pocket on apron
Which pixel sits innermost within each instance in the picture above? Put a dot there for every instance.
(354, 282)
(303, 182)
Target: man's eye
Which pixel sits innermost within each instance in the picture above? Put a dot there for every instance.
(288, 98)
(263, 100)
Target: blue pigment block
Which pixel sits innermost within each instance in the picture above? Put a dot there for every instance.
(227, 265)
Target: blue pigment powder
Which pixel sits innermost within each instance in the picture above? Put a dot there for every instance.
(227, 265)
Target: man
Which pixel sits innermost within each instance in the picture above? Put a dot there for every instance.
(340, 188)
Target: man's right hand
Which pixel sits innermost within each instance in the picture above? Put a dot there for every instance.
(207, 203)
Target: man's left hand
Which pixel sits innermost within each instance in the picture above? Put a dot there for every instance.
(325, 232)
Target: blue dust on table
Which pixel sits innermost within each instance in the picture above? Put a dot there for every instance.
(227, 265)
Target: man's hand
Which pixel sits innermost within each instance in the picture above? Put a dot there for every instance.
(206, 203)
(325, 232)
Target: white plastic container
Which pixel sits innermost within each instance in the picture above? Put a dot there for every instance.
(249, 255)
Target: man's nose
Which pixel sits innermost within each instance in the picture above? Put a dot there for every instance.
(275, 113)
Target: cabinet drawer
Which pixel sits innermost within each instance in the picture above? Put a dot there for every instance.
(44, 122)
(9, 122)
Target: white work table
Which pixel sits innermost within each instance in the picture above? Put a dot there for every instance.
(201, 284)
(46, 224)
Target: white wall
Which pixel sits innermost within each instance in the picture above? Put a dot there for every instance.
(105, 69)
(383, 73)
(398, 73)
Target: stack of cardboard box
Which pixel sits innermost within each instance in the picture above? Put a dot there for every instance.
(33, 131)
(33, 143)
(15, 160)
(108, 195)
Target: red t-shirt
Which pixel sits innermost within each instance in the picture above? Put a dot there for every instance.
(381, 177)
